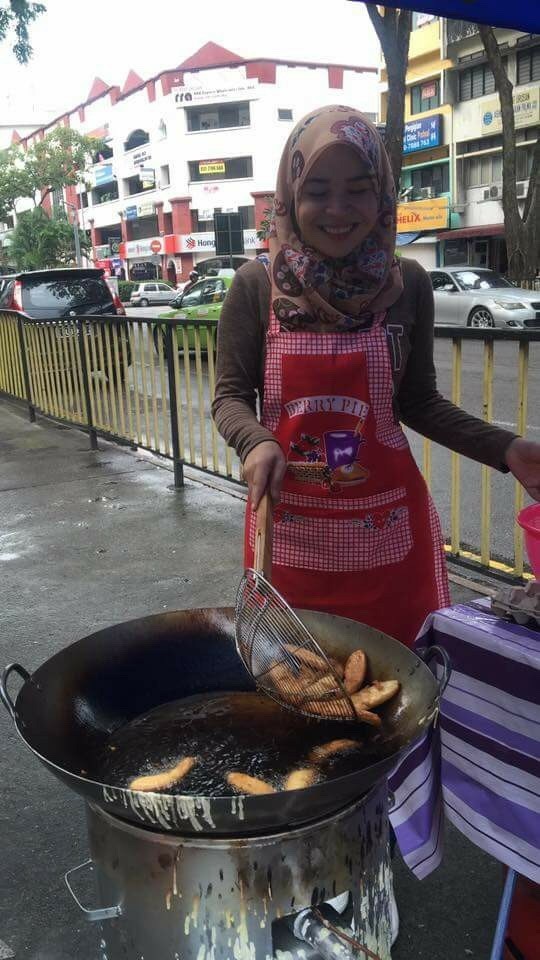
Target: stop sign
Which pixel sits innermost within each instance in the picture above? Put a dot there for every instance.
(155, 246)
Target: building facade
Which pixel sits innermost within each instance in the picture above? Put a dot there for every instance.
(203, 138)
(451, 188)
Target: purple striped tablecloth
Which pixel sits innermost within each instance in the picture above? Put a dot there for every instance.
(480, 768)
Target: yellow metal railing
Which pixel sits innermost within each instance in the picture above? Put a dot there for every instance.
(483, 554)
(151, 383)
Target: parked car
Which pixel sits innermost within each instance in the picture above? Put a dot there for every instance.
(203, 301)
(66, 292)
(61, 294)
(155, 291)
(478, 297)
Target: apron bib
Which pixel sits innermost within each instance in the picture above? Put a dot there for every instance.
(355, 533)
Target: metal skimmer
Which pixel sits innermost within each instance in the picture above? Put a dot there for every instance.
(279, 652)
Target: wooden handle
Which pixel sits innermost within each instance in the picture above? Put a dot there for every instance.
(263, 537)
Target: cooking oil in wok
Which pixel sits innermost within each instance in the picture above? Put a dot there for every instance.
(229, 732)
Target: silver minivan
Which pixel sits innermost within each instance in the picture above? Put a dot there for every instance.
(151, 291)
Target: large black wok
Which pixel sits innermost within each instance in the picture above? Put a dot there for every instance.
(67, 710)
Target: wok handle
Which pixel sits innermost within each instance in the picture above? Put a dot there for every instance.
(263, 537)
(4, 695)
(103, 913)
(427, 654)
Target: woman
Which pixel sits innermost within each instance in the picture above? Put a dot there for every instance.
(336, 338)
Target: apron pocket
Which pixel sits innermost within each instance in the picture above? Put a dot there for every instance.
(337, 545)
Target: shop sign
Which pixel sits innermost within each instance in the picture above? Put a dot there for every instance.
(103, 174)
(148, 177)
(211, 166)
(428, 90)
(422, 134)
(103, 251)
(141, 157)
(423, 215)
(206, 242)
(130, 213)
(148, 247)
(526, 110)
(190, 96)
(114, 243)
(206, 214)
(146, 209)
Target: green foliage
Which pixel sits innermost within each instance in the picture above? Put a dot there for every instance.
(60, 160)
(125, 289)
(39, 242)
(17, 15)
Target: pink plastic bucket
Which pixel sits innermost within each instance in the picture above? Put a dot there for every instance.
(529, 519)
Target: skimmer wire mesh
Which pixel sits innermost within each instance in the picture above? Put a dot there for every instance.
(284, 659)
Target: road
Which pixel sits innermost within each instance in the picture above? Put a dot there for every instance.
(504, 414)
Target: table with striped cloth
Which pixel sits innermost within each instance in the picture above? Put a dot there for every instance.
(480, 767)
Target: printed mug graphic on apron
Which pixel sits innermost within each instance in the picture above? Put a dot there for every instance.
(332, 460)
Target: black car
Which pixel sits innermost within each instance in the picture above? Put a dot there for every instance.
(52, 294)
(59, 295)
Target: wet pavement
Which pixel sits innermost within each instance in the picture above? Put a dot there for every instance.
(89, 539)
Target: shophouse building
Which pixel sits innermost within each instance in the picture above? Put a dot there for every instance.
(205, 137)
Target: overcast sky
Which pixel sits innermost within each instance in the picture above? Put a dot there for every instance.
(74, 41)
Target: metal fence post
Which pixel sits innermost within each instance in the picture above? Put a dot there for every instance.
(24, 361)
(86, 387)
(178, 463)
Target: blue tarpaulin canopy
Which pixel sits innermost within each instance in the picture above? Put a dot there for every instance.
(518, 15)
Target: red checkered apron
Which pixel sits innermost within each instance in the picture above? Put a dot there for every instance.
(355, 532)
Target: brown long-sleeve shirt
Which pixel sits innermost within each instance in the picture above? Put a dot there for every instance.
(409, 327)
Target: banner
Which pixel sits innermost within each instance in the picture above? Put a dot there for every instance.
(421, 215)
(526, 110)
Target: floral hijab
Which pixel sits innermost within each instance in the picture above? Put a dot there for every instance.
(310, 290)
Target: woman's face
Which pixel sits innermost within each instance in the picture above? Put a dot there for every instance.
(337, 206)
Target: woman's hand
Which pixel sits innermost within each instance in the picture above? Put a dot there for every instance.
(264, 468)
(523, 460)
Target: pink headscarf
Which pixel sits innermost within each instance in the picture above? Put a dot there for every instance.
(310, 290)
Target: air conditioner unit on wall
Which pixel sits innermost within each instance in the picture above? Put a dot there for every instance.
(493, 193)
(427, 193)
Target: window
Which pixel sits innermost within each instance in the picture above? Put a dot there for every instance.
(284, 114)
(193, 297)
(234, 168)
(83, 198)
(483, 171)
(134, 185)
(202, 221)
(105, 153)
(440, 280)
(136, 139)
(437, 177)
(165, 175)
(425, 96)
(218, 117)
(524, 159)
(248, 217)
(528, 65)
(162, 130)
(105, 192)
(475, 82)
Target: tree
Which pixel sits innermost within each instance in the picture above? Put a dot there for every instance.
(393, 28)
(41, 242)
(17, 16)
(59, 160)
(522, 231)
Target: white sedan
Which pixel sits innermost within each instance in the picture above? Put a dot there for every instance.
(477, 297)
